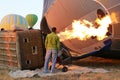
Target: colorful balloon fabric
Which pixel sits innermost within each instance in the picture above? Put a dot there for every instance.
(13, 20)
(32, 19)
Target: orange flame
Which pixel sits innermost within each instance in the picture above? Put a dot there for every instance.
(114, 17)
(84, 30)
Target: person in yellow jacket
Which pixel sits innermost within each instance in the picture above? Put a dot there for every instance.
(52, 45)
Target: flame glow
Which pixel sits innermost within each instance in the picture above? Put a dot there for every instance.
(114, 17)
(84, 30)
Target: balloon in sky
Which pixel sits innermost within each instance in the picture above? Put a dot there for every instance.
(15, 20)
(32, 19)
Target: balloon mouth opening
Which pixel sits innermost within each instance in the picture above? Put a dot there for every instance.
(84, 29)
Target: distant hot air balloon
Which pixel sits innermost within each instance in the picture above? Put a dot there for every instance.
(32, 19)
(15, 20)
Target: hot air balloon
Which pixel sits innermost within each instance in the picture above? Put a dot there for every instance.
(13, 20)
(32, 19)
(61, 14)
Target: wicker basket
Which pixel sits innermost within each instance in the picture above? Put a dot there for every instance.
(21, 49)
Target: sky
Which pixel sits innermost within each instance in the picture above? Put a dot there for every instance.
(22, 7)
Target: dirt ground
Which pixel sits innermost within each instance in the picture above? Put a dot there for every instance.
(113, 65)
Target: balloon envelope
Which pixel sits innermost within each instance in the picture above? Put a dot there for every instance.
(61, 14)
(32, 19)
(13, 19)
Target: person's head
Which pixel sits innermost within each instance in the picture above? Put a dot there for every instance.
(54, 29)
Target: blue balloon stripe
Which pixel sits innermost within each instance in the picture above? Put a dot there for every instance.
(21, 21)
(8, 17)
(15, 19)
(26, 24)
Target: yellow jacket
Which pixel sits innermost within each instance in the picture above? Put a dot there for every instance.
(52, 41)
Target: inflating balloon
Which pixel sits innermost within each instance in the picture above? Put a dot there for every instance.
(32, 19)
(73, 20)
(13, 19)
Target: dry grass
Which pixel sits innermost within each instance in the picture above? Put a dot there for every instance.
(112, 65)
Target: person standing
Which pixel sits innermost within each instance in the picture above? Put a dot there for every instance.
(52, 45)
